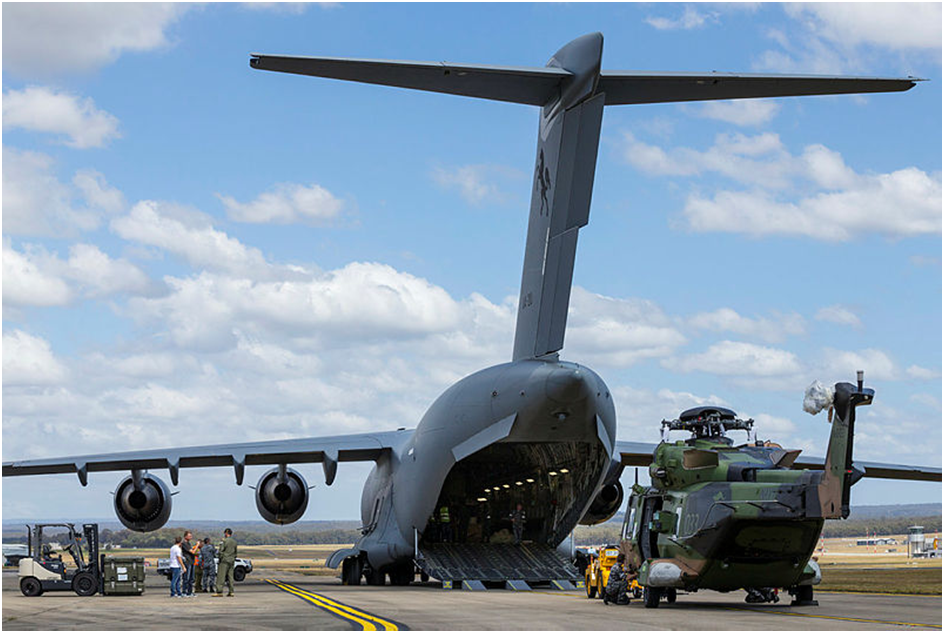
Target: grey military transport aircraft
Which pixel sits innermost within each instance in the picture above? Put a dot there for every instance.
(536, 428)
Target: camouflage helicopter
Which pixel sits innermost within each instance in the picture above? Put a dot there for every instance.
(726, 517)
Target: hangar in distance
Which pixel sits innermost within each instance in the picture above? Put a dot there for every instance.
(536, 428)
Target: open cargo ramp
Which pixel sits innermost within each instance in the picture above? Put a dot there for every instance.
(495, 563)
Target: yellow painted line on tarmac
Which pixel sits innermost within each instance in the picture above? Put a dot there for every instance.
(836, 617)
(367, 621)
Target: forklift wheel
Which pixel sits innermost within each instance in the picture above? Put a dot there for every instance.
(30, 587)
(84, 584)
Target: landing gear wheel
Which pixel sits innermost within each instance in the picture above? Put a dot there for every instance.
(670, 596)
(424, 577)
(374, 578)
(351, 571)
(403, 575)
(803, 597)
(591, 590)
(84, 583)
(239, 574)
(30, 587)
(651, 595)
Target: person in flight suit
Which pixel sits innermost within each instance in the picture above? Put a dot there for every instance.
(227, 563)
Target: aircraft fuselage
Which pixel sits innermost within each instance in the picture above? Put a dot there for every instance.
(535, 432)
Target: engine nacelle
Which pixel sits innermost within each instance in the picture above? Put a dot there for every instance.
(608, 500)
(605, 505)
(142, 503)
(282, 499)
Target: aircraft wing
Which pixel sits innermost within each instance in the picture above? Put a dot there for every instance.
(635, 453)
(640, 454)
(878, 470)
(326, 450)
(623, 88)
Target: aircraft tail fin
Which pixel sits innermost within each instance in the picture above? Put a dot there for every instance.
(572, 92)
(839, 471)
(532, 86)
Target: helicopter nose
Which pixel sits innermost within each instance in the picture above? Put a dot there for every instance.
(567, 385)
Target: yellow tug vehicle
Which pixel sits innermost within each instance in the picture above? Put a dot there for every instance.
(598, 573)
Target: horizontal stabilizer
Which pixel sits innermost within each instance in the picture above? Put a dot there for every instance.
(532, 86)
(624, 88)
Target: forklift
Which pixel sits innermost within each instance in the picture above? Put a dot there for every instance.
(42, 570)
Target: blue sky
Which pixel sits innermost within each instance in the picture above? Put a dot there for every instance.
(195, 252)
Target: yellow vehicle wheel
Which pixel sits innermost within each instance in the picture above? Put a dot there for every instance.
(591, 589)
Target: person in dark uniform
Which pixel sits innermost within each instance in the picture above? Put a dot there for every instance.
(518, 519)
(616, 584)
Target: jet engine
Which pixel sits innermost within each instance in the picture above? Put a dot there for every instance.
(281, 496)
(608, 500)
(142, 502)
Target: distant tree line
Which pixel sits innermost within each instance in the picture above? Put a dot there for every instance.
(609, 532)
(164, 537)
(881, 527)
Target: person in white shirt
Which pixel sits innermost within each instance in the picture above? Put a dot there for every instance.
(177, 568)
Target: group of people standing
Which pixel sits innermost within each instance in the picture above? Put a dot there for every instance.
(194, 566)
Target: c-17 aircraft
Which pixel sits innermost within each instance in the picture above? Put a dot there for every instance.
(537, 429)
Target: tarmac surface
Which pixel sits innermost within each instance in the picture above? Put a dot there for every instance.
(288, 601)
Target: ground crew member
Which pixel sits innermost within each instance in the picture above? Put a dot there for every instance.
(198, 568)
(445, 527)
(208, 562)
(227, 563)
(518, 519)
(615, 591)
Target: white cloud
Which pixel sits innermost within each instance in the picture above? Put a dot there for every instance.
(922, 373)
(617, 332)
(892, 25)
(773, 427)
(771, 330)
(477, 184)
(28, 360)
(36, 277)
(838, 314)
(840, 365)
(97, 193)
(40, 109)
(927, 400)
(732, 358)
(286, 203)
(746, 112)
(358, 301)
(287, 8)
(51, 38)
(690, 19)
(755, 160)
(836, 38)
(25, 284)
(831, 201)
(36, 202)
(190, 235)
